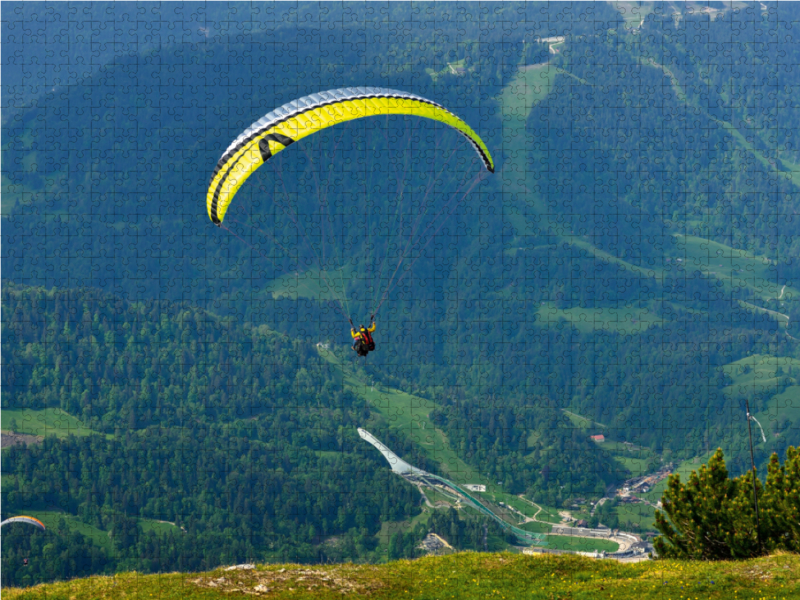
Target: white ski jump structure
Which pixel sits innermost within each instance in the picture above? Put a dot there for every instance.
(414, 474)
(398, 465)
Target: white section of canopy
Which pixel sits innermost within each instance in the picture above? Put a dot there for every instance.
(308, 102)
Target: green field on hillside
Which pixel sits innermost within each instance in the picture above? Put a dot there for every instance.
(638, 461)
(760, 374)
(633, 12)
(579, 544)
(588, 320)
(536, 527)
(159, 527)
(51, 517)
(410, 414)
(99, 537)
(739, 268)
(636, 465)
(636, 517)
(523, 505)
(48, 421)
(786, 404)
(314, 283)
(582, 422)
(531, 85)
(389, 528)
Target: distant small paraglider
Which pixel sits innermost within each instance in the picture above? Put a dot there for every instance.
(24, 519)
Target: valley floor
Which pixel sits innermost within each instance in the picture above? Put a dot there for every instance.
(461, 576)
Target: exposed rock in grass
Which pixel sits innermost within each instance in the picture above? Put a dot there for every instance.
(249, 579)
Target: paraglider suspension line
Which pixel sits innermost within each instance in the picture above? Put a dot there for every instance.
(293, 216)
(415, 226)
(389, 287)
(753, 464)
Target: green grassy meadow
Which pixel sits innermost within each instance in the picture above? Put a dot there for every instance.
(638, 461)
(48, 421)
(314, 283)
(410, 414)
(588, 320)
(99, 537)
(633, 12)
(582, 422)
(602, 255)
(786, 404)
(462, 576)
(389, 528)
(51, 517)
(740, 268)
(763, 374)
(578, 544)
(636, 516)
(523, 505)
(536, 527)
(531, 85)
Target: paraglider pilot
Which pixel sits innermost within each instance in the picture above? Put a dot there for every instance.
(363, 343)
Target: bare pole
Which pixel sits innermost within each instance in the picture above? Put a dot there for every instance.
(753, 463)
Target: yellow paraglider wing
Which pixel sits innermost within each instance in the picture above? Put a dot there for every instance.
(306, 116)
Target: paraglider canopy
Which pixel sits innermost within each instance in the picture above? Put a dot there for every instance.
(24, 519)
(306, 116)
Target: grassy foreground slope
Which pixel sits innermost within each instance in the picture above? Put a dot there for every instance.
(463, 576)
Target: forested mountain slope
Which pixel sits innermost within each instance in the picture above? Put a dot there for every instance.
(240, 438)
(200, 440)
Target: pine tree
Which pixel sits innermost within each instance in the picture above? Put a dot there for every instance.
(781, 502)
(712, 517)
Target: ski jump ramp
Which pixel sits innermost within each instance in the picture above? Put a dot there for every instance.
(401, 467)
(398, 465)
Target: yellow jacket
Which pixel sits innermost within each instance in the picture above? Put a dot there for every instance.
(356, 333)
